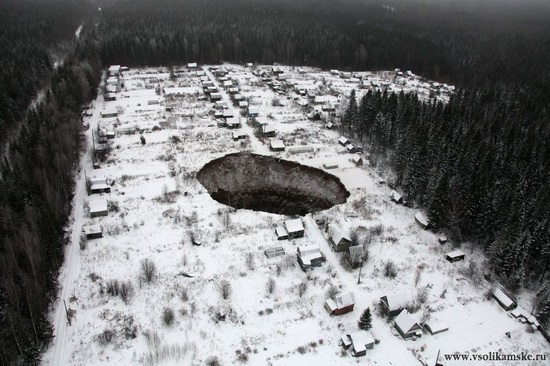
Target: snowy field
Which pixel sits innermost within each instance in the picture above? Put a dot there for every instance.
(157, 208)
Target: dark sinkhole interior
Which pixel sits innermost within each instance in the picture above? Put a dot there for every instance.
(263, 183)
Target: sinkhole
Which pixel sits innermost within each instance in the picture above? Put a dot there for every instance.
(263, 183)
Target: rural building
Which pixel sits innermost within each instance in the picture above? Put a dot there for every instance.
(253, 111)
(268, 130)
(274, 252)
(233, 122)
(309, 256)
(436, 327)
(108, 113)
(243, 104)
(504, 298)
(357, 160)
(98, 188)
(281, 233)
(407, 326)
(341, 304)
(343, 141)
(442, 239)
(239, 135)
(277, 145)
(227, 113)
(330, 165)
(339, 240)
(294, 228)
(359, 342)
(109, 97)
(329, 125)
(455, 256)
(192, 65)
(114, 70)
(300, 149)
(396, 197)
(98, 207)
(421, 220)
(393, 304)
(93, 232)
(215, 96)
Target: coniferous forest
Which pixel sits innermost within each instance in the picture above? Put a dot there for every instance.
(479, 165)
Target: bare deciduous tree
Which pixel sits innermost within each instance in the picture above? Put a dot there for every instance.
(148, 270)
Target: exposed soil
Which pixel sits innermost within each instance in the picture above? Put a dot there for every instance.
(264, 183)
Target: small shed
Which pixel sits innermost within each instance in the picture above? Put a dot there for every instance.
(243, 104)
(109, 97)
(350, 148)
(329, 125)
(393, 304)
(253, 111)
(233, 122)
(309, 256)
(98, 207)
(108, 113)
(421, 220)
(274, 252)
(407, 326)
(442, 239)
(343, 141)
(215, 96)
(281, 233)
(455, 256)
(435, 327)
(340, 304)
(359, 342)
(396, 197)
(504, 298)
(339, 240)
(294, 228)
(277, 145)
(93, 231)
(192, 65)
(330, 165)
(357, 160)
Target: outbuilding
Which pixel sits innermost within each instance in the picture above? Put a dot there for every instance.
(435, 327)
(359, 342)
(421, 220)
(396, 197)
(504, 298)
(357, 160)
(343, 141)
(281, 233)
(455, 256)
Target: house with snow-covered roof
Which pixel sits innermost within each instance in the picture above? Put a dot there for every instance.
(294, 228)
(340, 304)
(309, 256)
(393, 304)
(339, 239)
(359, 342)
(407, 326)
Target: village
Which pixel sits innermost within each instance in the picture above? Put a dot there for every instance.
(176, 271)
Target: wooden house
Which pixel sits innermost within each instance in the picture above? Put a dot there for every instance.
(253, 111)
(233, 122)
(294, 228)
(421, 220)
(277, 145)
(455, 256)
(215, 96)
(343, 141)
(396, 197)
(93, 231)
(98, 207)
(393, 304)
(339, 240)
(504, 299)
(281, 233)
(239, 135)
(309, 256)
(192, 65)
(407, 326)
(268, 130)
(359, 342)
(340, 304)
(109, 113)
(357, 160)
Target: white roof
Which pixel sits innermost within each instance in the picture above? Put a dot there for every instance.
(98, 205)
(337, 234)
(395, 196)
(343, 140)
(344, 300)
(98, 179)
(216, 95)
(243, 103)
(309, 253)
(419, 216)
(99, 186)
(455, 253)
(281, 232)
(277, 144)
(228, 113)
(253, 110)
(355, 158)
(192, 64)
(405, 321)
(227, 83)
(233, 121)
(268, 128)
(237, 134)
(293, 226)
(436, 326)
(92, 229)
(360, 340)
(397, 301)
(502, 297)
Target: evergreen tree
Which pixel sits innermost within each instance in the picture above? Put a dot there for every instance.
(350, 122)
(365, 321)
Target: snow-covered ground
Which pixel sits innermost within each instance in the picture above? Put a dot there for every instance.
(157, 206)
